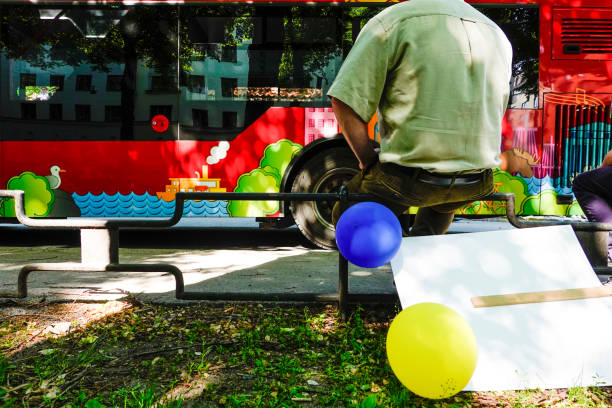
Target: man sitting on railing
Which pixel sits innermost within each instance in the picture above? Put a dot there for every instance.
(437, 72)
(593, 190)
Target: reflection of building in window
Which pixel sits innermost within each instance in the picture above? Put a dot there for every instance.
(233, 44)
(56, 111)
(27, 80)
(196, 83)
(269, 93)
(39, 93)
(530, 103)
(256, 93)
(44, 94)
(163, 84)
(200, 118)
(319, 82)
(28, 111)
(519, 98)
(83, 83)
(113, 83)
(230, 120)
(227, 87)
(165, 110)
(112, 113)
(82, 113)
(229, 53)
(57, 81)
(157, 84)
(299, 94)
(209, 30)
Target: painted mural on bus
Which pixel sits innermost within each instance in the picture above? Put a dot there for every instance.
(109, 110)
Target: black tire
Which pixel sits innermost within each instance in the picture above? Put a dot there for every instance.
(323, 173)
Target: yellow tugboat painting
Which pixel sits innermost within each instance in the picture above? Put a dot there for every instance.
(190, 184)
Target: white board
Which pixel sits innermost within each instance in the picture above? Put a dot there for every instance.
(537, 345)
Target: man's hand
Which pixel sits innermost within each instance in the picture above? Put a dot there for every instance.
(355, 132)
(607, 161)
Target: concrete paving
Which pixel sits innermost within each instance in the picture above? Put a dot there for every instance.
(214, 255)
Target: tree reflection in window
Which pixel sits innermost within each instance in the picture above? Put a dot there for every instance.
(95, 38)
(521, 25)
(282, 55)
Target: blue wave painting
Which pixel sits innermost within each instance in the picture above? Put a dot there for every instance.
(536, 185)
(144, 205)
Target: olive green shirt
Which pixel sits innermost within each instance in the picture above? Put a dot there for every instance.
(438, 71)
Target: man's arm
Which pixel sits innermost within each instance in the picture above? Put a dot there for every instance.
(355, 132)
(607, 161)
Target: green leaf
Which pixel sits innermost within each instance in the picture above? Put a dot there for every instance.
(94, 403)
(371, 401)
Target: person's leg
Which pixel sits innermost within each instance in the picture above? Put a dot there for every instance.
(436, 219)
(368, 181)
(399, 188)
(593, 191)
(430, 222)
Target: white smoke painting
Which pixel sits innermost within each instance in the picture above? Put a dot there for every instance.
(218, 152)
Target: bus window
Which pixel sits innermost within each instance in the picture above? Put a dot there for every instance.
(239, 61)
(521, 25)
(355, 20)
(91, 72)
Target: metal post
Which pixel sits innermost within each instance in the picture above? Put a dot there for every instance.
(342, 286)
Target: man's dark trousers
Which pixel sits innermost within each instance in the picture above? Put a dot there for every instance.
(437, 196)
(593, 190)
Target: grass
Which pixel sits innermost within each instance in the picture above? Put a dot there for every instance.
(119, 354)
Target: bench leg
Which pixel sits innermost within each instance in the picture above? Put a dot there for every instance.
(22, 280)
(99, 246)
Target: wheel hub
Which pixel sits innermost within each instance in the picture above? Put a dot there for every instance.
(330, 182)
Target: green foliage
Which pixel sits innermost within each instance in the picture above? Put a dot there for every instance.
(261, 181)
(236, 31)
(264, 179)
(5, 367)
(526, 204)
(574, 209)
(94, 403)
(504, 183)
(370, 402)
(5, 370)
(544, 203)
(38, 196)
(279, 155)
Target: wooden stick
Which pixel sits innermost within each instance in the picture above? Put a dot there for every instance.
(542, 296)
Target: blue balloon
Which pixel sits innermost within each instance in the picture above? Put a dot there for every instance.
(368, 234)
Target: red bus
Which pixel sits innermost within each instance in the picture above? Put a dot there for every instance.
(108, 109)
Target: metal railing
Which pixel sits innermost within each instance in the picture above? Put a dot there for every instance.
(100, 244)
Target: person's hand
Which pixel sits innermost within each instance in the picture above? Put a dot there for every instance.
(607, 161)
(369, 159)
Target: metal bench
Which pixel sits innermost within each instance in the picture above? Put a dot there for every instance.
(100, 246)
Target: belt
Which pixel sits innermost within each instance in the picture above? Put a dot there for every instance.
(450, 179)
(437, 179)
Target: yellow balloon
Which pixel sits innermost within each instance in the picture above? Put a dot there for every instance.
(432, 350)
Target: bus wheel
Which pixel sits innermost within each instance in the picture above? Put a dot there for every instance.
(323, 173)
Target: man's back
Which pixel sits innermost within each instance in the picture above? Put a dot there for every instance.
(439, 72)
